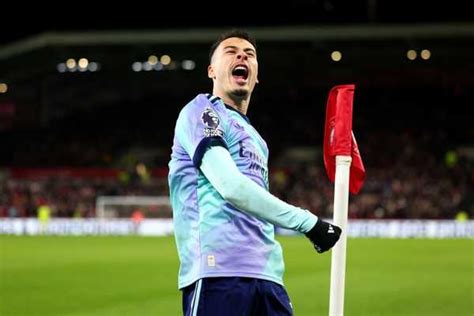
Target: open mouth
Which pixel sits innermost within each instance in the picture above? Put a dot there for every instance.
(240, 72)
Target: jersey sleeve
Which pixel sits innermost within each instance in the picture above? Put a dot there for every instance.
(248, 196)
(200, 125)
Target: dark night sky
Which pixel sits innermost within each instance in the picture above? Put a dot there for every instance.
(86, 15)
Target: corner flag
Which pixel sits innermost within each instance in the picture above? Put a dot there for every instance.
(339, 138)
(345, 168)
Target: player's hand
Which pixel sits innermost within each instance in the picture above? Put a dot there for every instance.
(324, 235)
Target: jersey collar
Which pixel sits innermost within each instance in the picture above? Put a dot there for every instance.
(215, 99)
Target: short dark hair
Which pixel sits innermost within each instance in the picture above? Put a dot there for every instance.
(232, 33)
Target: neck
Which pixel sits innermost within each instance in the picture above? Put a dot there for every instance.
(241, 104)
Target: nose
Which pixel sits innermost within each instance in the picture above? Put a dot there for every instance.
(242, 56)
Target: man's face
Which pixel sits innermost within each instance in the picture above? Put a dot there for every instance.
(234, 67)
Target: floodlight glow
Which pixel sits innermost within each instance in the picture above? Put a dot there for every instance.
(165, 60)
(71, 63)
(425, 54)
(93, 66)
(188, 64)
(152, 60)
(3, 87)
(411, 54)
(83, 62)
(336, 55)
(137, 66)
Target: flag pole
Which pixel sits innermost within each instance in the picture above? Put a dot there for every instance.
(338, 261)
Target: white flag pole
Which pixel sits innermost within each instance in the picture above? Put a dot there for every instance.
(338, 261)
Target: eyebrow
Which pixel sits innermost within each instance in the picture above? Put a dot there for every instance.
(245, 49)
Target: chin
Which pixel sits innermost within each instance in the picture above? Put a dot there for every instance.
(240, 92)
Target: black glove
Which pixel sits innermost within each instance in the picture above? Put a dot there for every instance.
(324, 235)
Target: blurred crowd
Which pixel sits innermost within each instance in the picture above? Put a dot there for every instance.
(68, 196)
(409, 175)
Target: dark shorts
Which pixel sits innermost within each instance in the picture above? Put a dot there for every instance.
(237, 296)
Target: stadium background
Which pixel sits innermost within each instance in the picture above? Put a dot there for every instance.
(69, 134)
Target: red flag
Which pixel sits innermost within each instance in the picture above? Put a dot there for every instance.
(339, 138)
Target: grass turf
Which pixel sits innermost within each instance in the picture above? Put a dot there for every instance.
(76, 276)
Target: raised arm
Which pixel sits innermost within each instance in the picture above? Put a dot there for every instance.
(221, 171)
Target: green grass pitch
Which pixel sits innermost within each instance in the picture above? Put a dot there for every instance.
(76, 276)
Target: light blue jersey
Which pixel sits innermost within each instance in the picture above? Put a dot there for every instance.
(213, 237)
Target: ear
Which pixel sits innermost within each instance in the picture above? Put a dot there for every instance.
(210, 72)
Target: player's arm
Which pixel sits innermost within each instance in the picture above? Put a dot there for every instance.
(221, 171)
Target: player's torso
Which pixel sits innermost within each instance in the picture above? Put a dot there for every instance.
(234, 242)
(214, 238)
